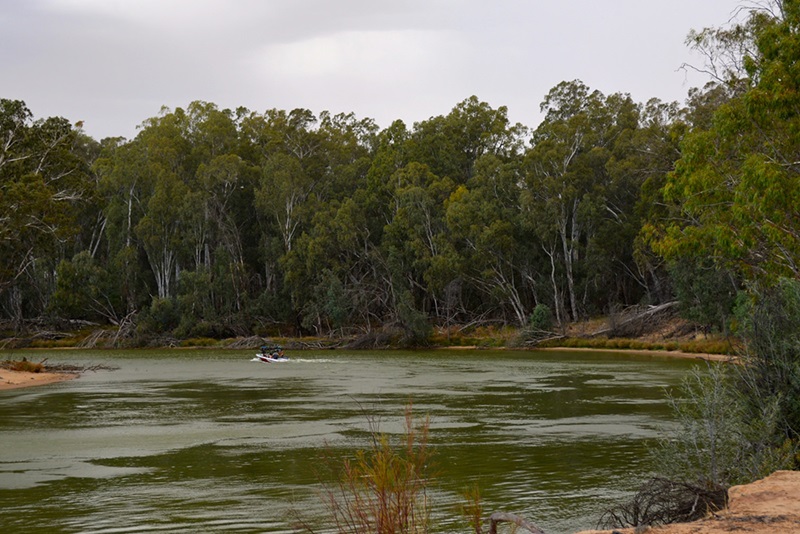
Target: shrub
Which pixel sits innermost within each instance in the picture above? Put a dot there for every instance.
(163, 316)
(199, 342)
(721, 440)
(541, 318)
(416, 328)
(384, 488)
(770, 326)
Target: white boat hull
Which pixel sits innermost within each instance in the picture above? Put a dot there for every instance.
(271, 359)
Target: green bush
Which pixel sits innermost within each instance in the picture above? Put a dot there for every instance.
(541, 318)
(416, 328)
(770, 327)
(718, 442)
(162, 317)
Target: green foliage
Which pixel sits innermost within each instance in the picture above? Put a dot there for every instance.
(291, 220)
(162, 317)
(416, 328)
(770, 326)
(541, 318)
(330, 303)
(84, 290)
(582, 180)
(250, 220)
(735, 190)
(718, 442)
(45, 187)
(706, 292)
(738, 423)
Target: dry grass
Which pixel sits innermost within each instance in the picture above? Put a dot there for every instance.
(23, 366)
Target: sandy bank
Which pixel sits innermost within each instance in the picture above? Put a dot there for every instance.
(19, 379)
(639, 352)
(668, 353)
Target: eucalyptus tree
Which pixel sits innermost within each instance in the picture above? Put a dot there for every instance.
(175, 194)
(656, 143)
(152, 173)
(161, 231)
(620, 166)
(216, 179)
(336, 249)
(291, 164)
(331, 270)
(577, 192)
(221, 211)
(450, 145)
(415, 241)
(422, 170)
(348, 147)
(492, 254)
(735, 190)
(45, 184)
(554, 188)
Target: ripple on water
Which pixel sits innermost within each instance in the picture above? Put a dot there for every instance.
(207, 441)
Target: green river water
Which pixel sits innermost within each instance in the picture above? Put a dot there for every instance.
(210, 441)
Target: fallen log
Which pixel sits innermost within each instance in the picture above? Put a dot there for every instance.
(633, 319)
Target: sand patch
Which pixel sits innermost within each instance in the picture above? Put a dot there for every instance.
(20, 379)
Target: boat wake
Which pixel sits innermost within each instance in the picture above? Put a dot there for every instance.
(302, 360)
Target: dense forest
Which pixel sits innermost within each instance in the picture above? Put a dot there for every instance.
(219, 223)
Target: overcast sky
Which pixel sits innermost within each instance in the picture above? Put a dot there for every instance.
(115, 63)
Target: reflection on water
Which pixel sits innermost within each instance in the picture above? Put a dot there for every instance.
(208, 441)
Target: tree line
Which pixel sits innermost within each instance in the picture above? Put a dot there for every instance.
(218, 222)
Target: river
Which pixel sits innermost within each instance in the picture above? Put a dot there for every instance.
(210, 441)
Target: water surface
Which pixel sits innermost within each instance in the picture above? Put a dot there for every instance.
(209, 441)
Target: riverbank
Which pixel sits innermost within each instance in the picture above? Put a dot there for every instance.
(767, 506)
(658, 352)
(638, 330)
(20, 379)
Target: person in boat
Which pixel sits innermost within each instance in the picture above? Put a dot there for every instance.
(271, 352)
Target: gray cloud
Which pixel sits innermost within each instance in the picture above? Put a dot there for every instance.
(114, 63)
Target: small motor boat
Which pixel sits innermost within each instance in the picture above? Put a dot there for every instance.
(272, 355)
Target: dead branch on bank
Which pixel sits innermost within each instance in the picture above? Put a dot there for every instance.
(314, 345)
(103, 337)
(252, 342)
(635, 320)
(43, 367)
(542, 336)
(661, 502)
(503, 517)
